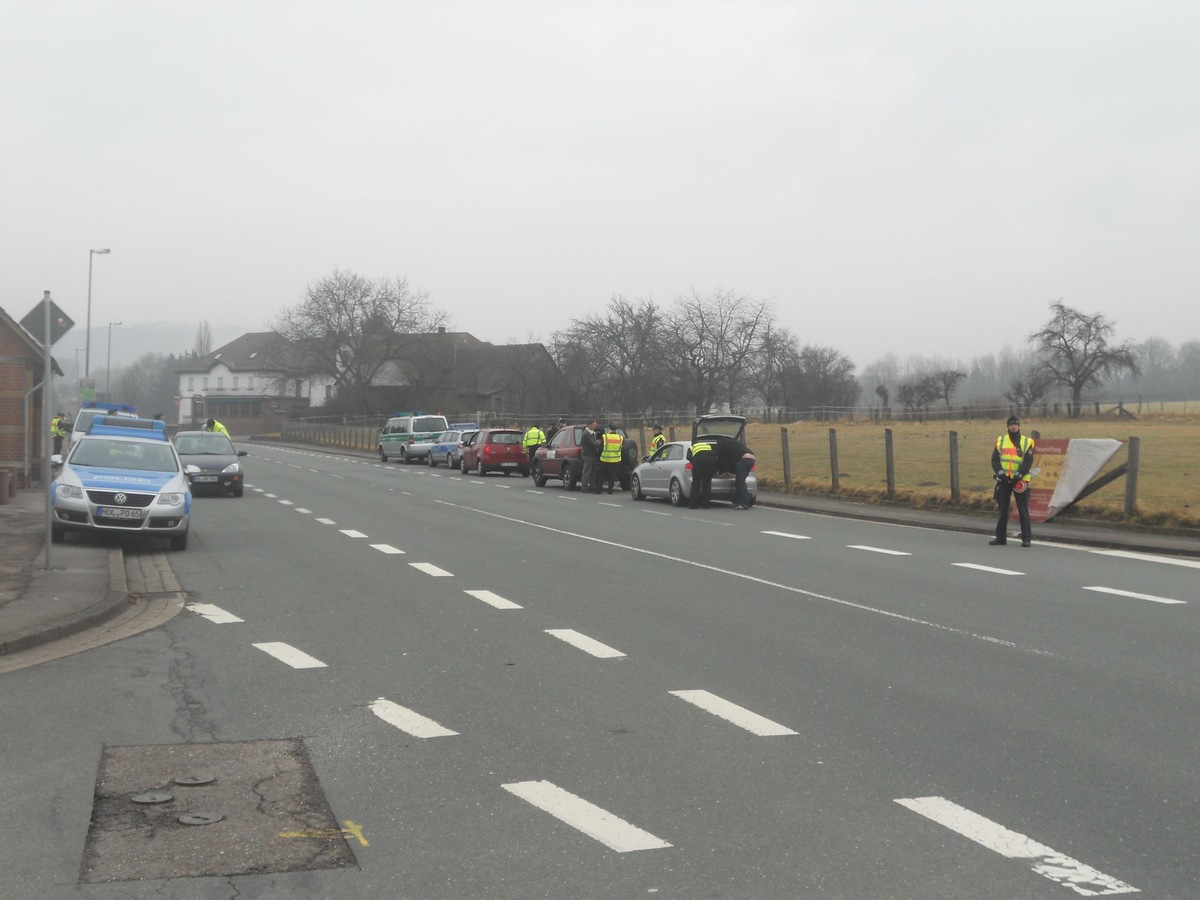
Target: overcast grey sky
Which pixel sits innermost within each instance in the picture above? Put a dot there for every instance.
(909, 177)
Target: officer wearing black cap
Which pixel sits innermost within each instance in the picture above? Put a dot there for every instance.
(658, 440)
(1011, 461)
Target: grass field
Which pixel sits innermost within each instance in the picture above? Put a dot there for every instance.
(1168, 485)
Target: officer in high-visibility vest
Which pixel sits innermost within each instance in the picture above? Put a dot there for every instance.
(703, 458)
(533, 439)
(57, 432)
(1012, 459)
(610, 457)
(658, 440)
(214, 425)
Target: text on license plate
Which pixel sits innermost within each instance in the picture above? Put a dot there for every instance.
(508, 464)
(117, 512)
(203, 478)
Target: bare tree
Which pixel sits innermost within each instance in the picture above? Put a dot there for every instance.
(349, 327)
(1027, 391)
(827, 378)
(712, 341)
(947, 382)
(918, 394)
(1076, 352)
(204, 340)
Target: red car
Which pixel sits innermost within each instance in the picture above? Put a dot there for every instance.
(563, 458)
(495, 450)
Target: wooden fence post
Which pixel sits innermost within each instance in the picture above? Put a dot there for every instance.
(787, 459)
(1135, 446)
(833, 460)
(891, 463)
(954, 465)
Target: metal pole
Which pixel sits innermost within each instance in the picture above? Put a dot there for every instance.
(108, 365)
(87, 356)
(46, 484)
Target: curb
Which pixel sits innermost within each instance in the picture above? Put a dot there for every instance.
(114, 602)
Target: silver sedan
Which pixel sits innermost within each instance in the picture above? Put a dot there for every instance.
(669, 474)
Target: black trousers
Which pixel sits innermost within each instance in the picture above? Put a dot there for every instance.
(704, 465)
(1004, 495)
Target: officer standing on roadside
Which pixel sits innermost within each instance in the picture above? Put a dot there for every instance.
(533, 439)
(658, 440)
(704, 463)
(1012, 459)
(611, 454)
(57, 432)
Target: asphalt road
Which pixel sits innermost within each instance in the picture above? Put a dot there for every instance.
(514, 692)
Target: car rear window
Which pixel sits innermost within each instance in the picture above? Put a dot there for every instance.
(504, 437)
(429, 423)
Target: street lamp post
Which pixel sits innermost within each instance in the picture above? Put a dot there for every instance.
(87, 353)
(78, 397)
(108, 366)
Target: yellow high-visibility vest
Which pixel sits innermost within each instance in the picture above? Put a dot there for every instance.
(701, 447)
(657, 441)
(612, 448)
(533, 438)
(1010, 456)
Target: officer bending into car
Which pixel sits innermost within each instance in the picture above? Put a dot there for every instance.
(704, 465)
(1012, 459)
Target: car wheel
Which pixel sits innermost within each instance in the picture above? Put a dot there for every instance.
(430, 461)
(382, 454)
(568, 474)
(479, 468)
(57, 534)
(635, 488)
(538, 478)
(678, 497)
(179, 541)
(239, 490)
(449, 461)
(404, 460)
(462, 464)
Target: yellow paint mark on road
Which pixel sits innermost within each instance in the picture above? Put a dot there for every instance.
(350, 830)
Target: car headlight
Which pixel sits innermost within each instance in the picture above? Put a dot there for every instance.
(70, 491)
(231, 469)
(170, 498)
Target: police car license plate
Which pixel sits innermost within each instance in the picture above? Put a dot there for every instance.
(117, 512)
(201, 479)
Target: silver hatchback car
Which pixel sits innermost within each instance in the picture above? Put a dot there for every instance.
(668, 473)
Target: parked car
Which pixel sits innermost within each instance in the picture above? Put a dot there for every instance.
(403, 430)
(562, 458)
(495, 450)
(211, 462)
(118, 484)
(447, 449)
(668, 474)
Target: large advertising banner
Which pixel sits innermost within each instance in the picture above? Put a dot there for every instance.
(1067, 467)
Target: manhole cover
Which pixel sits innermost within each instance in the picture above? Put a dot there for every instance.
(273, 816)
(192, 780)
(152, 797)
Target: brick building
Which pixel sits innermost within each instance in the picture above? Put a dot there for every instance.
(22, 365)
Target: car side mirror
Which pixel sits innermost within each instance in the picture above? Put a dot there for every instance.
(243, 453)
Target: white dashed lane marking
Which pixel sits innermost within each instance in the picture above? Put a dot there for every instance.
(991, 569)
(213, 613)
(351, 533)
(1148, 557)
(795, 537)
(408, 721)
(1134, 595)
(431, 569)
(327, 521)
(387, 548)
(493, 599)
(731, 712)
(878, 550)
(584, 643)
(614, 833)
(286, 653)
(1048, 863)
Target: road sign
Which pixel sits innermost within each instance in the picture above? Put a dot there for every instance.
(34, 322)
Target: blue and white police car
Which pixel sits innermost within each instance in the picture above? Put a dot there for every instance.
(122, 479)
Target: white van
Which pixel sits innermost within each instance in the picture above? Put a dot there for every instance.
(405, 429)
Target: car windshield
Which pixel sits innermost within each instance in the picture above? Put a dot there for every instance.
(204, 445)
(117, 454)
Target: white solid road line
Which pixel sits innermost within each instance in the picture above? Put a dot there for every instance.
(731, 712)
(614, 833)
(213, 613)
(386, 548)
(1149, 557)
(1048, 863)
(1135, 596)
(987, 569)
(795, 537)
(351, 533)
(408, 721)
(584, 643)
(878, 550)
(431, 569)
(286, 653)
(493, 599)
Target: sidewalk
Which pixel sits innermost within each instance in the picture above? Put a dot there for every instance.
(88, 581)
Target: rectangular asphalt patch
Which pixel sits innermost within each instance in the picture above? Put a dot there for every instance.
(254, 807)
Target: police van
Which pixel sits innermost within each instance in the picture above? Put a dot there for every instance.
(92, 410)
(407, 428)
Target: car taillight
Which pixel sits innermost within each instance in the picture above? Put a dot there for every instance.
(688, 465)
